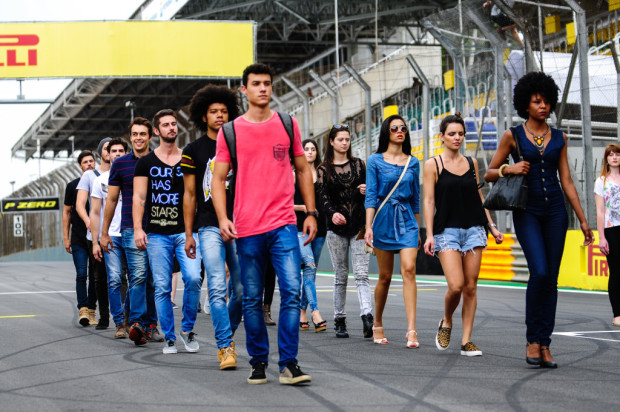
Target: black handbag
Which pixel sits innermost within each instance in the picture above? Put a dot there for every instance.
(509, 192)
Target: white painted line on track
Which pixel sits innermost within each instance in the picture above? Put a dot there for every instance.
(419, 282)
(584, 335)
(482, 285)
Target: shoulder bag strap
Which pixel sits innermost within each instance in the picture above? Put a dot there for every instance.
(514, 135)
(392, 191)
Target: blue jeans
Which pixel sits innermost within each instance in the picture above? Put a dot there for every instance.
(162, 250)
(140, 278)
(216, 254)
(114, 267)
(542, 237)
(282, 246)
(308, 289)
(84, 271)
(317, 247)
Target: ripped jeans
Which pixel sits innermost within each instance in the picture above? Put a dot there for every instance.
(308, 287)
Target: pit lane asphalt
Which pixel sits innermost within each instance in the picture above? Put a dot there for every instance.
(48, 361)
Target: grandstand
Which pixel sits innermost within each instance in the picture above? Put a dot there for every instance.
(428, 58)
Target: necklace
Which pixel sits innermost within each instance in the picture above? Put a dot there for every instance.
(538, 140)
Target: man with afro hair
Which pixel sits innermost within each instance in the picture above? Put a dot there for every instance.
(210, 108)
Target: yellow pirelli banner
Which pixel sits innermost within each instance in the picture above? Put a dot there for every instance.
(583, 267)
(126, 49)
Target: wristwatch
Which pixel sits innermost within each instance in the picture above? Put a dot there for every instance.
(314, 213)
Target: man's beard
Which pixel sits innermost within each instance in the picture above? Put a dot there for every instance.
(168, 139)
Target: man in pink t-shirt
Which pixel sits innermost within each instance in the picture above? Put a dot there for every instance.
(264, 220)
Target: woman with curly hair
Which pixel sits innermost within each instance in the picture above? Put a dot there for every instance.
(541, 228)
(607, 196)
(394, 227)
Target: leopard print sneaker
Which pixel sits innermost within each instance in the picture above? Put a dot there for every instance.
(470, 349)
(442, 339)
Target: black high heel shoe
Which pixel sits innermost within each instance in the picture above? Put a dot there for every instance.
(532, 349)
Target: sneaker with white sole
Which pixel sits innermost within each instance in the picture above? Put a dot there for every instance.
(190, 342)
(170, 347)
(470, 349)
(442, 338)
(258, 376)
(292, 375)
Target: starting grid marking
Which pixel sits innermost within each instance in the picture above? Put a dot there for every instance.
(584, 335)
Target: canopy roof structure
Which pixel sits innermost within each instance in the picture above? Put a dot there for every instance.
(289, 33)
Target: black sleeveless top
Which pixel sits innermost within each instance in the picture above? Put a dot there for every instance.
(457, 202)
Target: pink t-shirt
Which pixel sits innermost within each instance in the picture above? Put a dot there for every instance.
(265, 184)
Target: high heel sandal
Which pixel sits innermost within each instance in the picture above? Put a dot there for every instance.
(320, 327)
(304, 325)
(412, 343)
(379, 341)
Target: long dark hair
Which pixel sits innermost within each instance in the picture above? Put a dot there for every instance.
(328, 161)
(317, 159)
(384, 135)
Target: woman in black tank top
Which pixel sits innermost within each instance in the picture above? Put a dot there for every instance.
(456, 230)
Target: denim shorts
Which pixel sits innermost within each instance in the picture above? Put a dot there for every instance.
(462, 240)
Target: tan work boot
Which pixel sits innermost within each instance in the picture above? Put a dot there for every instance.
(92, 319)
(267, 313)
(83, 316)
(227, 357)
(121, 333)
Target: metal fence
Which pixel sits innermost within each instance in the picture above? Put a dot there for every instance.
(41, 230)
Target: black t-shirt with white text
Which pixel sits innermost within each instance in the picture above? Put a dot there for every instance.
(164, 199)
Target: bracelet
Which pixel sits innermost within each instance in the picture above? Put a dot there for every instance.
(490, 225)
(501, 168)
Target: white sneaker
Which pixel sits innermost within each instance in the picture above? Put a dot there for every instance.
(170, 347)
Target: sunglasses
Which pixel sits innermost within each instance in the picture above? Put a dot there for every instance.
(395, 129)
(341, 126)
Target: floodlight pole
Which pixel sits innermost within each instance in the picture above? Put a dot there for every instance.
(498, 47)
(367, 115)
(332, 94)
(458, 99)
(426, 92)
(566, 91)
(586, 115)
(306, 102)
(614, 53)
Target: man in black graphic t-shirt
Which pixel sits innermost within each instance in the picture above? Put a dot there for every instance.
(158, 196)
(211, 107)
